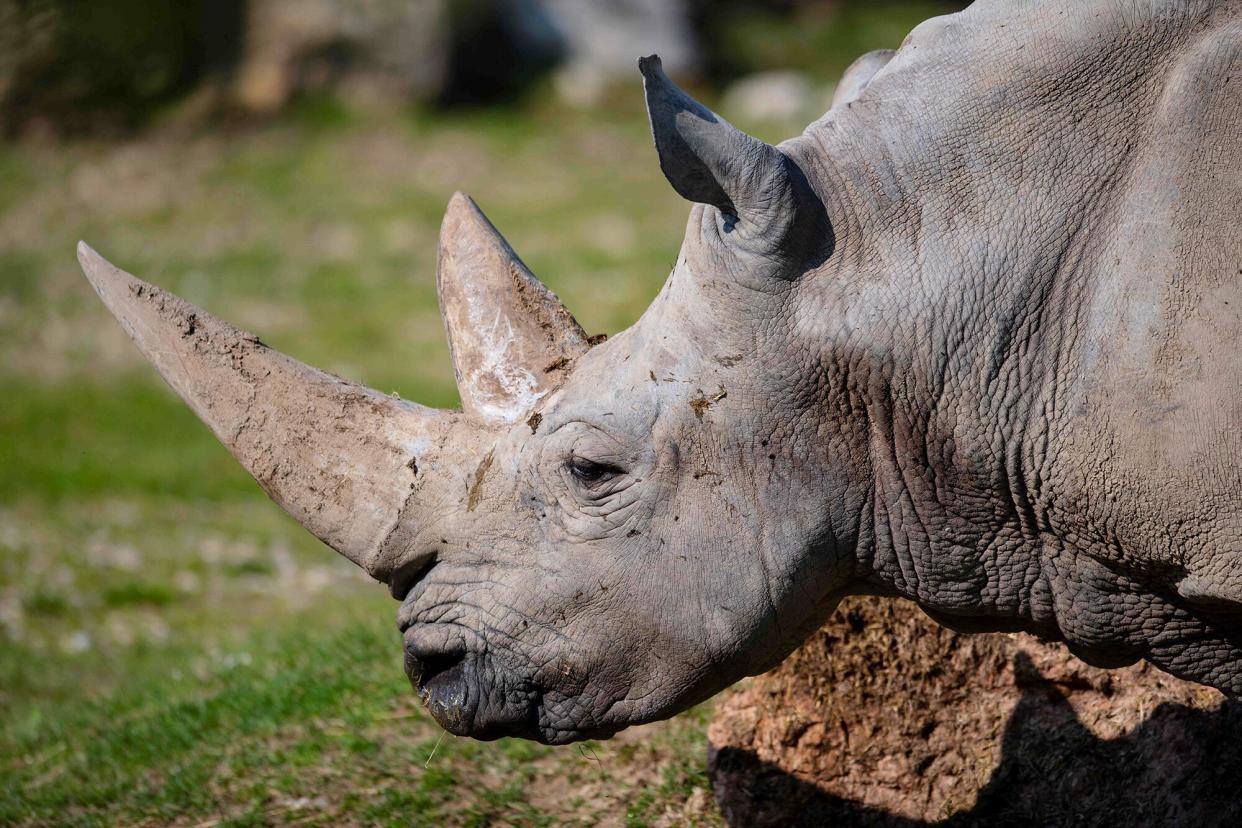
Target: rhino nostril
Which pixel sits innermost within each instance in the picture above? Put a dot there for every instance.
(405, 577)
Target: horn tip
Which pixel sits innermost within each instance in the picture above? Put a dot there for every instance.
(99, 271)
(114, 286)
(460, 206)
(462, 212)
(88, 257)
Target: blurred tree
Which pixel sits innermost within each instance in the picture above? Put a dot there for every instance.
(107, 65)
(378, 49)
(82, 64)
(499, 47)
(819, 38)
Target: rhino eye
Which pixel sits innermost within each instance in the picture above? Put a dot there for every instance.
(591, 473)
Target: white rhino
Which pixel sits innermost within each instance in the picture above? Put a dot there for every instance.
(974, 339)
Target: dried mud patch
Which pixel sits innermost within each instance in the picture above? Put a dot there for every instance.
(886, 718)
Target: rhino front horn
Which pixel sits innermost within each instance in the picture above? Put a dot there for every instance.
(343, 460)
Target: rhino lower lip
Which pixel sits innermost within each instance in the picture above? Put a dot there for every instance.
(451, 686)
(441, 681)
(447, 694)
(425, 667)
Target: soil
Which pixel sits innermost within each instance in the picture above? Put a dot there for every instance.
(886, 718)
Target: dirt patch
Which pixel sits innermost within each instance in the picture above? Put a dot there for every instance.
(476, 488)
(607, 785)
(700, 402)
(886, 718)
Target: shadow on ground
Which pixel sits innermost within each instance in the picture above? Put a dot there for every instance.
(1180, 766)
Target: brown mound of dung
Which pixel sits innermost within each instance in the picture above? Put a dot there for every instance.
(886, 718)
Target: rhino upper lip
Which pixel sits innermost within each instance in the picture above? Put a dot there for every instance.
(409, 575)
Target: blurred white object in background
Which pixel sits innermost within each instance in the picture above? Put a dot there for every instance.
(604, 38)
(773, 96)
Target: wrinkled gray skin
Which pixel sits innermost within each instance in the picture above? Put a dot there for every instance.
(974, 338)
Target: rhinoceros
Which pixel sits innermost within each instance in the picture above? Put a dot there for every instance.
(973, 339)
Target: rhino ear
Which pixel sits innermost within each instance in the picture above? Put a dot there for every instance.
(704, 157)
(512, 340)
(763, 199)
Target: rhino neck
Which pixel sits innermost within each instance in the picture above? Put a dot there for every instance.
(947, 351)
(967, 240)
(957, 342)
(951, 517)
(1006, 237)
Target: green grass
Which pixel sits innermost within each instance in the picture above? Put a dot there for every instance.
(824, 38)
(173, 649)
(313, 722)
(77, 439)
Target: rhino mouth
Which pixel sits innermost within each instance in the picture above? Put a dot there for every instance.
(466, 690)
(455, 688)
(442, 682)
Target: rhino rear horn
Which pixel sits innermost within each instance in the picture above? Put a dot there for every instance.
(512, 340)
(765, 202)
(341, 459)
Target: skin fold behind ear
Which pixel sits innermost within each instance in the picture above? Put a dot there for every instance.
(859, 74)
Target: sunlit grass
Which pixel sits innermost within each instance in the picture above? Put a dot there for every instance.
(176, 649)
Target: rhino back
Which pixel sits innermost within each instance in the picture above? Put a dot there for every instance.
(1157, 426)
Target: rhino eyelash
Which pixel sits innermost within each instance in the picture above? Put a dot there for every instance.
(590, 473)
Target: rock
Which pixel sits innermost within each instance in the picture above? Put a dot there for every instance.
(364, 48)
(772, 96)
(886, 718)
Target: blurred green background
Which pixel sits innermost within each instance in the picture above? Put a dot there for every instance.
(173, 649)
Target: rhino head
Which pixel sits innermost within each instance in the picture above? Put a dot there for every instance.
(904, 353)
(580, 547)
